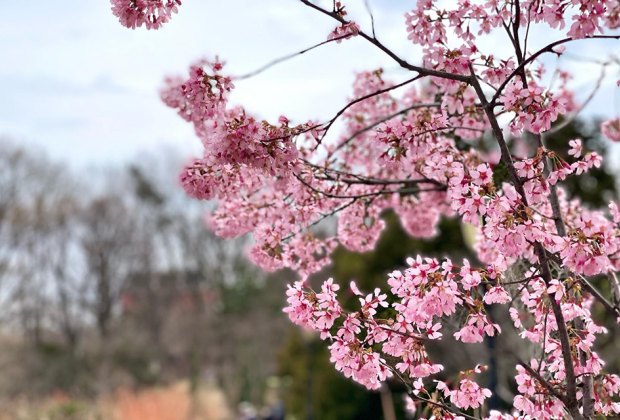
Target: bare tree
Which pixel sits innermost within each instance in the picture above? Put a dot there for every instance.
(108, 249)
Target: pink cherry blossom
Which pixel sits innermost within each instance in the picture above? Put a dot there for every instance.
(469, 395)
(575, 148)
(496, 294)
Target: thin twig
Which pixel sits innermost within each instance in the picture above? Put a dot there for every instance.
(286, 57)
(383, 191)
(574, 115)
(372, 18)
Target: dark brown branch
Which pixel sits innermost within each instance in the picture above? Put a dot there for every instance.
(588, 393)
(546, 49)
(404, 64)
(499, 136)
(527, 29)
(516, 42)
(352, 178)
(404, 182)
(544, 343)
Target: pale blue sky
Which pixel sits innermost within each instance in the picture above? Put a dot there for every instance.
(77, 84)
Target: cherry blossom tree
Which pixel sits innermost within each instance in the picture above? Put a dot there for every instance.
(416, 147)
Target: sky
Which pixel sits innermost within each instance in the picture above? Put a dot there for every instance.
(82, 88)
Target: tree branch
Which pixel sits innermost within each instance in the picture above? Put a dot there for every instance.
(404, 64)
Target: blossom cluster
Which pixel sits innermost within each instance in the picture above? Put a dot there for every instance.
(150, 13)
(422, 294)
(535, 109)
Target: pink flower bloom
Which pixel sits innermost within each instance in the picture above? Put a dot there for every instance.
(359, 227)
(475, 328)
(556, 288)
(496, 294)
(575, 148)
(516, 319)
(470, 278)
(353, 287)
(526, 384)
(482, 175)
(469, 395)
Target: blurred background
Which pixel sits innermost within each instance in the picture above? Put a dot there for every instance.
(116, 302)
